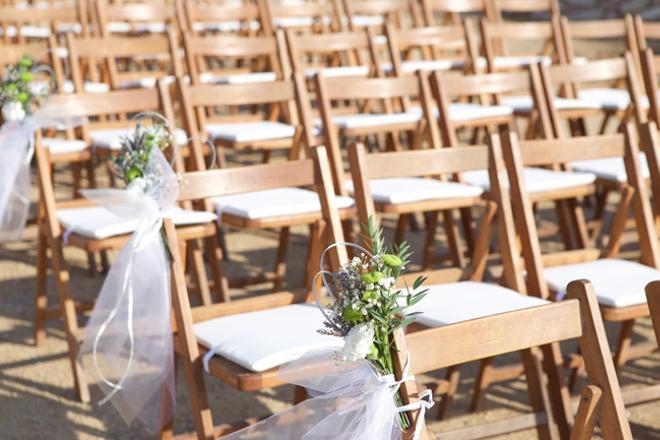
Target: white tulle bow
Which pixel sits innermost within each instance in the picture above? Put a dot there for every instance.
(16, 149)
(127, 346)
(349, 400)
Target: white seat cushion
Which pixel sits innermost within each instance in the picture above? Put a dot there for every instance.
(243, 78)
(618, 283)
(266, 339)
(338, 72)
(274, 203)
(415, 189)
(412, 66)
(610, 99)
(90, 87)
(450, 303)
(462, 111)
(139, 83)
(98, 222)
(63, 146)
(368, 20)
(536, 179)
(611, 168)
(110, 138)
(250, 131)
(510, 62)
(523, 104)
(367, 120)
(124, 27)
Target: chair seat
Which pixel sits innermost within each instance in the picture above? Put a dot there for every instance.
(525, 103)
(536, 179)
(463, 111)
(510, 62)
(412, 66)
(618, 283)
(611, 168)
(360, 20)
(446, 304)
(243, 78)
(368, 120)
(64, 146)
(122, 27)
(610, 99)
(266, 339)
(250, 131)
(417, 189)
(139, 83)
(337, 72)
(273, 203)
(90, 87)
(110, 138)
(225, 26)
(97, 222)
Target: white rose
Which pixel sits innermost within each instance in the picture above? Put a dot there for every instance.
(13, 111)
(357, 343)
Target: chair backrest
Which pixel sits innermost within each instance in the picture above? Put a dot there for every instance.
(548, 8)
(453, 11)
(310, 53)
(621, 30)
(236, 54)
(104, 56)
(489, 88)
(570, 77)
(443, 162)
(539, 153)
(442, 43)
(650, 65)
(204, 18)
(131, 18)
(523, 329)
(274, 100)
(375, 14)
(496, 37)
(308, 16)
(383, 91)
(15, 23)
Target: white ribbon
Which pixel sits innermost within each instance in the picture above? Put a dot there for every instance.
(127, 344)
(16, 150)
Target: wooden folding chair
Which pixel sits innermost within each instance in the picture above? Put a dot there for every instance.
(293, 319)
(135, 18)
(36, 23)
(443, 12)
(92, 229)
(313, 16)
(209, 18)
(121, 62)
(428, 48)
(522, 330)
(497, 36)
(235, 59)
(618, 284)
(376, 14)
(273, 126)
(337, 54)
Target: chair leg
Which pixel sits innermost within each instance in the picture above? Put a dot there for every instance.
(453, 239)
(623, 344)
(579, 223)
(91, 174)
(77, 178)
(280, 261)
(599, 215)
(401, 224)
(91, 264)
(481, 383)
(606, 121)
(167, 408)
(68, 310)
(41, 300)
(196, 259)
(468, 228)
(564, 218)
(220, 282)
(538, 395)
(453, 377)
(431, 226)
(559, 395)
(201, 410)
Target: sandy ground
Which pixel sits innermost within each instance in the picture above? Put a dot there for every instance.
(37, 399)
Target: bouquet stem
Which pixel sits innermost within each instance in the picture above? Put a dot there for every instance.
(386, 364)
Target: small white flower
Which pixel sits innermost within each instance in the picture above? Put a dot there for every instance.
(137, 185)
(357, 343)
(13, 111)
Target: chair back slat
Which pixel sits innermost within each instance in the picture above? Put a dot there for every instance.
(512, 331)
(548, 152)
(370, 88)
(114, 102)
(592, 71)
(492, 83)
(241, 94)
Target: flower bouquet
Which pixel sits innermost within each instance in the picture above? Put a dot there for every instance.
(19, 89)
(367, 307)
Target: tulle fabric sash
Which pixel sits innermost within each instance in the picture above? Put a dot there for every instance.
(16, 149)
(349, 400)
(127, 346)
